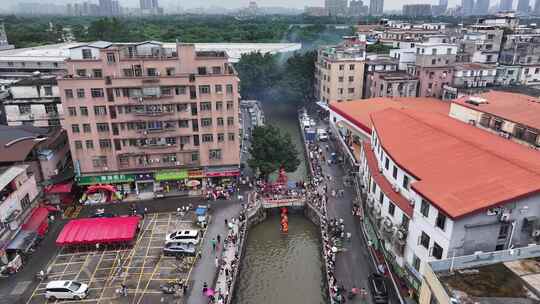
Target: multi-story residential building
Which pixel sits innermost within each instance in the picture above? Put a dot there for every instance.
(467, 7)
(417, 10)
(536, 10)
(339, 71)
(430, 202)
(393, 84)
(44, 151)
(507, 74)
(506, 5)
(523, 6)
(4, 43)
(18, 193)
(516, 116)
(376, 7)
(523, 50)
(434, 67)
(440, 9)
(482, 43)
(150, 117)
(481, 7)
(33, 101)
(318, 11)
(336, 7)
(357, 8)
(150, 7)
(503, 19)
(470, 78)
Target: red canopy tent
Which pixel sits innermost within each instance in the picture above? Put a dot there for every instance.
(38, 221)
(98, 230)
(59, 188)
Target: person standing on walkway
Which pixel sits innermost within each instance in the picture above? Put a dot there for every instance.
(123, 290)
(219, 239)
(226, 223)
(217, 262)
(213, 241)
(205, 287)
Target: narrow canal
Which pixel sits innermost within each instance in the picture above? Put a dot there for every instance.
(283, 268)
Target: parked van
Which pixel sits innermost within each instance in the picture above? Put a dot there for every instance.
(322, 135)
(66, 290)
(188, 236)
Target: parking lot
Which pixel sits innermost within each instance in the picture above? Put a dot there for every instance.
(142, 267)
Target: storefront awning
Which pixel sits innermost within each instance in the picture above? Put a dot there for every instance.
(198, 173)
(59, 188)
(105, 179)
(222, 172)
(23, 241)
(171, 175)
(38, 217)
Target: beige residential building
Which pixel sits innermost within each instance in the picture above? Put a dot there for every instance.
(150, 117)
(339, 71)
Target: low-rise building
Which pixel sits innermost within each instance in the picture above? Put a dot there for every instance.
(392, 84)
(434, 67)
(339, 71)
(482, 43)
(507, 75)
(470, 78)
(417, 10)
(33, 101)
(514, 116)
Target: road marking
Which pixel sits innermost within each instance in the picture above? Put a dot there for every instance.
(144, 262)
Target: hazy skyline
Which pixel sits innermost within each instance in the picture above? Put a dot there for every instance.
(299, 4)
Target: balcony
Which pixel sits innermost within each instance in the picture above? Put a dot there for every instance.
(156, 131)
(152, 113)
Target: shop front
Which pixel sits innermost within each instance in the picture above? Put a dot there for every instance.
(195, 182)
(144, 183)
(123, 182)
(172, 182)
(221, 182)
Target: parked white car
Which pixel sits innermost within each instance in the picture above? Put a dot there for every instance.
(66, 290)
(189, 236)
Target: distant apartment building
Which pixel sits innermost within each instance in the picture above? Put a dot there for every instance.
(470, 78)
(481, 7)
(376, 7)
(33, 101)
(318, 11)
(434, 67)
(417, 10)
(357, 8)
(149, 117)
(523, 51)
(523, 6)
(515, 116)
(150, 7)
(467, 7)
(507, 74)
(4, 43)
(536, 9)
(336, 7)
(482, 43)
(382, 79)
(339, 71)
(506, 5)
(440, 9)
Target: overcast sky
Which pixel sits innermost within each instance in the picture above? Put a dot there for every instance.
(388, 4)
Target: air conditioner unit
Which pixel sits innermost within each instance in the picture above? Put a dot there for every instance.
(535, 233)
(505, 217)
(411, 200)
(395, 187)
(140, 99)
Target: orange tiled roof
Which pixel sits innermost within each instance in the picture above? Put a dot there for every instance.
(358, 111)
(461, 169)
(519, 108)
(384, 184)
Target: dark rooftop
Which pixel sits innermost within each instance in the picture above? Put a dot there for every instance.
(36, 80)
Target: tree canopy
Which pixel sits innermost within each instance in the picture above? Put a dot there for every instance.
(272, 149)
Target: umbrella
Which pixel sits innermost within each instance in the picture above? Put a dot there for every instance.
(209, 292)
(193, 183)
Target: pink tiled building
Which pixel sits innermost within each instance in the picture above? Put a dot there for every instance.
(150, 116)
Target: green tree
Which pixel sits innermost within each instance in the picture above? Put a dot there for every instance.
(272, 149)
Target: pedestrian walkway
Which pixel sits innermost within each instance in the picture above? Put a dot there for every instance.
(205, 270)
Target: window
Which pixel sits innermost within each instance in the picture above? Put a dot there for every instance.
(230, 105)
(170, 71)
(84, 111)
(80, 93)
(416, 262)
(170, 140)
(215, 154)
(180, 90)
(391, 208)
(207, 138)
(48, 91)
(72, 111)
(195, 156)
(406, 182)
(111, 58)
(128, 72)
(100, 110)
(440, 221)
(351, 90)
(102, 127)
(206, 106)
(351, 78)
(448, 51)
(218, 88)
(206, 122)
(100, 161)
(201, 70)
(68, 93)
(220, 121)
(231, 136)
(221, 137)
(105, 143)
(51, 109)
(433, 61)
(86, 53)
(25, 202)
(98, 73)
(181, 107)
(394, 172)
(351, 67)
(75, 128)
(96, 92)
(25, 109)
(184, 123)
(503, 231)
(424, 208)
(81, 72)
(204, 89)
(230, 121)
(430, 85)
(229, 89)
(381, 197)
(437, 251)
(341, 67)
(89, 144)
(424, 240)
(340, 79)
(78, 145)
(216, 70)
(86, 128)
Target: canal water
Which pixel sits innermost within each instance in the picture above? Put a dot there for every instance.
(277, 267)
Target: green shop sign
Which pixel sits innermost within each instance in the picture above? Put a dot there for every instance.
(105, 179)
(171, 175)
